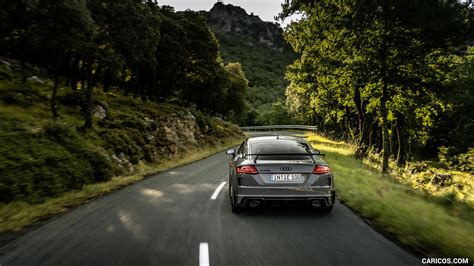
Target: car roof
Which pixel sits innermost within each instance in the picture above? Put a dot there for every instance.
(274, 138)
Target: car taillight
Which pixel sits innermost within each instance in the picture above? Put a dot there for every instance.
(321, 169)
(247, 169)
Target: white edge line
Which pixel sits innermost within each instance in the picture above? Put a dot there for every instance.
(203, 254)
(218, 189)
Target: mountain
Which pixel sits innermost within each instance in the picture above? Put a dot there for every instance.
(264, 54)
(234, 19)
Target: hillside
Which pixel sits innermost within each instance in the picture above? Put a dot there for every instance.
(41, 157)
(264, 54)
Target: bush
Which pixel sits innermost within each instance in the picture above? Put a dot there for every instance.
(34, 167)
(119, 141)
(68, 137)
(5, 73)
(462, 162)
(47, 163)
(102, 166)
(203, 121)
(72, 98)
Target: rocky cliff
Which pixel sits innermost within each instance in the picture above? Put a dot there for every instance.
(229, 18)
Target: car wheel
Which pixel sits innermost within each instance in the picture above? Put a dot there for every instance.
(325, 209)
(235, 208)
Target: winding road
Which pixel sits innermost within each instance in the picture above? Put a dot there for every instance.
(183, 217)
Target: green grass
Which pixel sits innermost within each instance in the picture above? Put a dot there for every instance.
(17, 215)
(411, 216)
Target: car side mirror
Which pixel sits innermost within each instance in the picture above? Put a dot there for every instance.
(230, 152)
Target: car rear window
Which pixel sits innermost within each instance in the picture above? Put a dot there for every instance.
(279, 147)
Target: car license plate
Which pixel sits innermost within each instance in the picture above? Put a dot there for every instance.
(287, 178)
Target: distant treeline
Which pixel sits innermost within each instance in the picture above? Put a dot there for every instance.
(145, 50)
(395, 77)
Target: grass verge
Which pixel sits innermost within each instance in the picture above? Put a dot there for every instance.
(409, 215)
(16, 216)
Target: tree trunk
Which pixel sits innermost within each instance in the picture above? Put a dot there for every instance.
(385, 137)
(53, 100)
(107, 77)
(83, 75)
(383, 100)
(74, 73)
(88, 103)
(402, 142)
(24, 71)
(364, 127)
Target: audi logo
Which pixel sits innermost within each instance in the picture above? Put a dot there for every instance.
(285, 168)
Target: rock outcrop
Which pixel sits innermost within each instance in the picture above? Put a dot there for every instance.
(229, 18)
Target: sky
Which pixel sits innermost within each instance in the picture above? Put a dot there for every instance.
(265, 9)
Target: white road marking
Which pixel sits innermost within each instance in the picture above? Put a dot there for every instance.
(204, 254)
(218, 189)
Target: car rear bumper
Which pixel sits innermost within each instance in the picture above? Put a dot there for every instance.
(243, 194)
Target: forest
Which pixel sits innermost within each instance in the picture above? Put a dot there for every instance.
(392, 77)
(144, 50)
(92, 91)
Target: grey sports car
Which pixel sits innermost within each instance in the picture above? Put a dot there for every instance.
(279, 170)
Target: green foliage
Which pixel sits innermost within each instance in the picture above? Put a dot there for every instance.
(41, 158)
(122, 144)
(382, 74)
(203, 121)
(411, 216)
(34, 166)
(5, 73)
(49, 162)
(264, 67)
(69, 138)
(462, 162)
(149, 51)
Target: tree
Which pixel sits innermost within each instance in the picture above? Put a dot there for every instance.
(362, 58)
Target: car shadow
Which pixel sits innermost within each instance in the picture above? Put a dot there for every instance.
(283, 211)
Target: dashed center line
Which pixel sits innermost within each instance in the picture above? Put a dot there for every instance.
(204, 254)
(218, 189)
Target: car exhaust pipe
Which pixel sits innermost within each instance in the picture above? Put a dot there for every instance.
(316, 203)
(254, 203)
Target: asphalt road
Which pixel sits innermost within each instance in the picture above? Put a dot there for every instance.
(170, 219)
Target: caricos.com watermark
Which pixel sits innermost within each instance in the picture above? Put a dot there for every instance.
(445, 260)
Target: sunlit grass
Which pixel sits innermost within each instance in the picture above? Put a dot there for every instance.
(17, 215)
(407, 214)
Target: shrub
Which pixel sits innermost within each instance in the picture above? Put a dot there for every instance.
(71, 98)
(461, 162)
(5, 73)
(203, 121)
(68, 137)
(102, 166)
(34, 167)
(118, 141)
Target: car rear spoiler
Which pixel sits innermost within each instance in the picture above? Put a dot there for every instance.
(284, 154)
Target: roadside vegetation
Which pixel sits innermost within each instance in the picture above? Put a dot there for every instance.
(49, 165)
(429, 218)
(392, 81)
(393, 77)
(17, 215)
(97, 95)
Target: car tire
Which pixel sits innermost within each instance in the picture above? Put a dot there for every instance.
(325, 209)
(235, 208)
